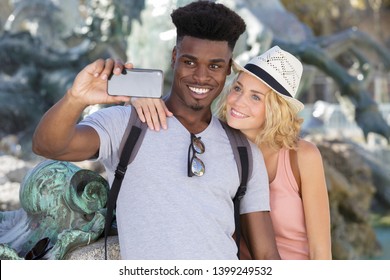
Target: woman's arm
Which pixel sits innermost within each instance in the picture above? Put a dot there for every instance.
(153, 111)
(315, 200)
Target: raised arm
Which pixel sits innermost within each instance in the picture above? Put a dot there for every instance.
(315, 200)
(58, 136)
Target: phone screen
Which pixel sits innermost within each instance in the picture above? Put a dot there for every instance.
(137, 82)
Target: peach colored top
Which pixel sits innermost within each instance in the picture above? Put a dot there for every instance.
(287, 212)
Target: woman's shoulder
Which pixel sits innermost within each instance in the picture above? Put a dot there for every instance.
(307, 151)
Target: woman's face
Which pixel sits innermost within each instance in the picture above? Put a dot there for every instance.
(245, 105)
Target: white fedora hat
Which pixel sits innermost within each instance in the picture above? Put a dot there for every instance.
(279, 70)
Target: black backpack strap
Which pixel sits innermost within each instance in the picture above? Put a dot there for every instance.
(243, 156)
(131, 142)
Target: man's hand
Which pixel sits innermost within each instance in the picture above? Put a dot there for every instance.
(90, 85)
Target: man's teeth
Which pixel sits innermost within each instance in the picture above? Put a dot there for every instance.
(199, 90)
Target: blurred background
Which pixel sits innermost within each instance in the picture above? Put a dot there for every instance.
(344, 45)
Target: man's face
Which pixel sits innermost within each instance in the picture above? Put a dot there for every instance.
(200, 68)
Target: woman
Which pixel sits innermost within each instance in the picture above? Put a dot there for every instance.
(260, 102)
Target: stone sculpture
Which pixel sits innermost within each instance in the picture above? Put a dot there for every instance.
(60, 201)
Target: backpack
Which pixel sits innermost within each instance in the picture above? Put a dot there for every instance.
(135, 132)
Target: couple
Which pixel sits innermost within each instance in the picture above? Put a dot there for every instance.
(161, 212)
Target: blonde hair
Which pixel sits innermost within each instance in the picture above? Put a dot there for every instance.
(282, 124)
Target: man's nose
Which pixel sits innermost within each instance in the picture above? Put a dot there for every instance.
(201, 74)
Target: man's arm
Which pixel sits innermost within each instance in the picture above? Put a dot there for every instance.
(258, 232)
(58, 136)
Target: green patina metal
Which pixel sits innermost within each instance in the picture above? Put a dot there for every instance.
(59, 200)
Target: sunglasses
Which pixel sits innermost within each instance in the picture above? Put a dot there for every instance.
(195, 165)
(39, 250)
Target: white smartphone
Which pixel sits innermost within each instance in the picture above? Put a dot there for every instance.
(137, 82)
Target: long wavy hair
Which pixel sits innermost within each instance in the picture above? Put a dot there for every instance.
(282, 125)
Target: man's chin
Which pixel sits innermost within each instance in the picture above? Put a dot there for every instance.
(197, 107)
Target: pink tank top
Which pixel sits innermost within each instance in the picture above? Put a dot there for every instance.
(287, 212)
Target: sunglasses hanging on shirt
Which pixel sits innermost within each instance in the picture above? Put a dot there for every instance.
(195, 165)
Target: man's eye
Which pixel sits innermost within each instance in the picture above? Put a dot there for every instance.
(214, 66)
(189, 62)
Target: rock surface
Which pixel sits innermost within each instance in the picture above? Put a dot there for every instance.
(351, 192)
(95, 251)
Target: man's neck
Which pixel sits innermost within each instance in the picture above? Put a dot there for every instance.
(195, 121)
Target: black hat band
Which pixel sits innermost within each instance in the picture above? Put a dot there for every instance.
(259, 72)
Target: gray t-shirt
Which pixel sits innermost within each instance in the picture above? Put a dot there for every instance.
(161, 212)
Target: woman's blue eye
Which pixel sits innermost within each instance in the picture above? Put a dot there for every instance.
(237, 88)
(256, 98)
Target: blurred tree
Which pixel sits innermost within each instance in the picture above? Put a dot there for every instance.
(329, 16)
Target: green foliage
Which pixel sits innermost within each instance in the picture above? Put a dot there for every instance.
(380, 220)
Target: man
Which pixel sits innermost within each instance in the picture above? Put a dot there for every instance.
(166, 209)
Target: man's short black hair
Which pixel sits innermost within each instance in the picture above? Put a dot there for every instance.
(208, 20)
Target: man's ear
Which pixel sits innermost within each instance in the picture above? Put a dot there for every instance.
(173, 57)
(229, 71)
